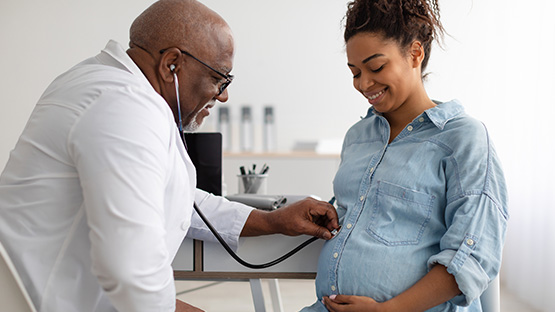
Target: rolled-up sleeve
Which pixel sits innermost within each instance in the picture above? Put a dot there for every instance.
(472, 247)
(227, 217)
(476, 218)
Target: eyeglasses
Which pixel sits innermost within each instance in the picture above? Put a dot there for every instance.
(223, 85)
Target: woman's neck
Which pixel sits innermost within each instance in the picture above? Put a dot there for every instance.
(406, 113)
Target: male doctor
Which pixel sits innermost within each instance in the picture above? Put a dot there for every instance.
(98, 193)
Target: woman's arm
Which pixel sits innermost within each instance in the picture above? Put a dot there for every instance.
(436, 287)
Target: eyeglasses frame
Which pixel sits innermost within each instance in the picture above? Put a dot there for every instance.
(228, 78)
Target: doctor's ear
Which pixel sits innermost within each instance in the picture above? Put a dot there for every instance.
(169, 64)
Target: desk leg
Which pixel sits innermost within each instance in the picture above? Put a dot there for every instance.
(276, 295)
(257, 295)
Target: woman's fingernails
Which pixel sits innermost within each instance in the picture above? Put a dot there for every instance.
(332, 297)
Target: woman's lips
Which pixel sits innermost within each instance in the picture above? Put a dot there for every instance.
(375, 97)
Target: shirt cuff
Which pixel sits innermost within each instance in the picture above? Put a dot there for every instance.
(228, 218)
(471, 278)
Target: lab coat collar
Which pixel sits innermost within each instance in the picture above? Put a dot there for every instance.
(115, 55)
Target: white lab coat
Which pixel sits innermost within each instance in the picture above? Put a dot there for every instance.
(98, 193)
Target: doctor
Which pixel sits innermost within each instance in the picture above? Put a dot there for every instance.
(98, 192)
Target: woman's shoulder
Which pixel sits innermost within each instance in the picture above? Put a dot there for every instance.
(456, 125)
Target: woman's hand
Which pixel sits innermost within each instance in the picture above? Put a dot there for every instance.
(344, 303)
(436, 287)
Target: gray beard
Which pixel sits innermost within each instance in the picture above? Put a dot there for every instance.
(192, 126)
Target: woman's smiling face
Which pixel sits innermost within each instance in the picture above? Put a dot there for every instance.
(382, 72)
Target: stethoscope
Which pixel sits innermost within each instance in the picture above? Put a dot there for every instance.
(211, 227)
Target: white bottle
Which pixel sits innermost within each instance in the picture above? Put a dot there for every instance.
(247, 135)
(224, 127)
(269, 129)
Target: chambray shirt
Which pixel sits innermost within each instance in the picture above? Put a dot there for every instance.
(434, 195)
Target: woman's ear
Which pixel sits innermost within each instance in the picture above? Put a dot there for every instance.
(416, 52)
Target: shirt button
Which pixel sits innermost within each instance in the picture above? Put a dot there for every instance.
(332, 288)
(361, 198)
(470, 242)
(421, 119)
(349, 226)
(372, 169)
(335, 255)
(409, 128)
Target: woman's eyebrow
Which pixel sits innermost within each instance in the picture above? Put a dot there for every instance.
(366, 60)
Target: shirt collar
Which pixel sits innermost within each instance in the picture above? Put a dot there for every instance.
(114, 55)
(438, 115)
(444, 112)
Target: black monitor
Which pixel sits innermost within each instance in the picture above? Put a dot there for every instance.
(205, 150)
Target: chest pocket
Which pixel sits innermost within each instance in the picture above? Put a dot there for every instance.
(399, 215)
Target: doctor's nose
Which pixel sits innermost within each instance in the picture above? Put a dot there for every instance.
(223, 97)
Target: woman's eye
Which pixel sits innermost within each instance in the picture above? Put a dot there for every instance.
(356, 75)
(378, 69)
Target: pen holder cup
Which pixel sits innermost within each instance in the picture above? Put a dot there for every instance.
(253, 183)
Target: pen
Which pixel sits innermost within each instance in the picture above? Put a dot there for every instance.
(244, 178)
(264, 170)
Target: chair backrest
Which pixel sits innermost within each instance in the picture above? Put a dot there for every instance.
(491, 297)
(13, 295)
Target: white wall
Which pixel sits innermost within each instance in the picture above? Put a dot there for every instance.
(40, 40)
(289, 54)
(499, 62)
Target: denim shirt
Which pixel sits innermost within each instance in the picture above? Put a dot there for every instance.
(434, 195)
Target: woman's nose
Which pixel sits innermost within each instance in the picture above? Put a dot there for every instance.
(365, 82)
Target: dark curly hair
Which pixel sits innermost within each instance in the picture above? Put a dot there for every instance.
(401, 20)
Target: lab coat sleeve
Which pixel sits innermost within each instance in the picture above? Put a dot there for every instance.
(227, 217)
(120, 147)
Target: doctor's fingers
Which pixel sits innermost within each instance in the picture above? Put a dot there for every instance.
(325, 214)
(321, 215)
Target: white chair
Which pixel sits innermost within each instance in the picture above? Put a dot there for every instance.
(490, 299)
(13, 295)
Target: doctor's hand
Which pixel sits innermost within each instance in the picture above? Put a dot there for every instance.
(343, 303)
(308, 216)
(181, 306)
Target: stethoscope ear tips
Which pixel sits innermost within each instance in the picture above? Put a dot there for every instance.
(172, 67)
